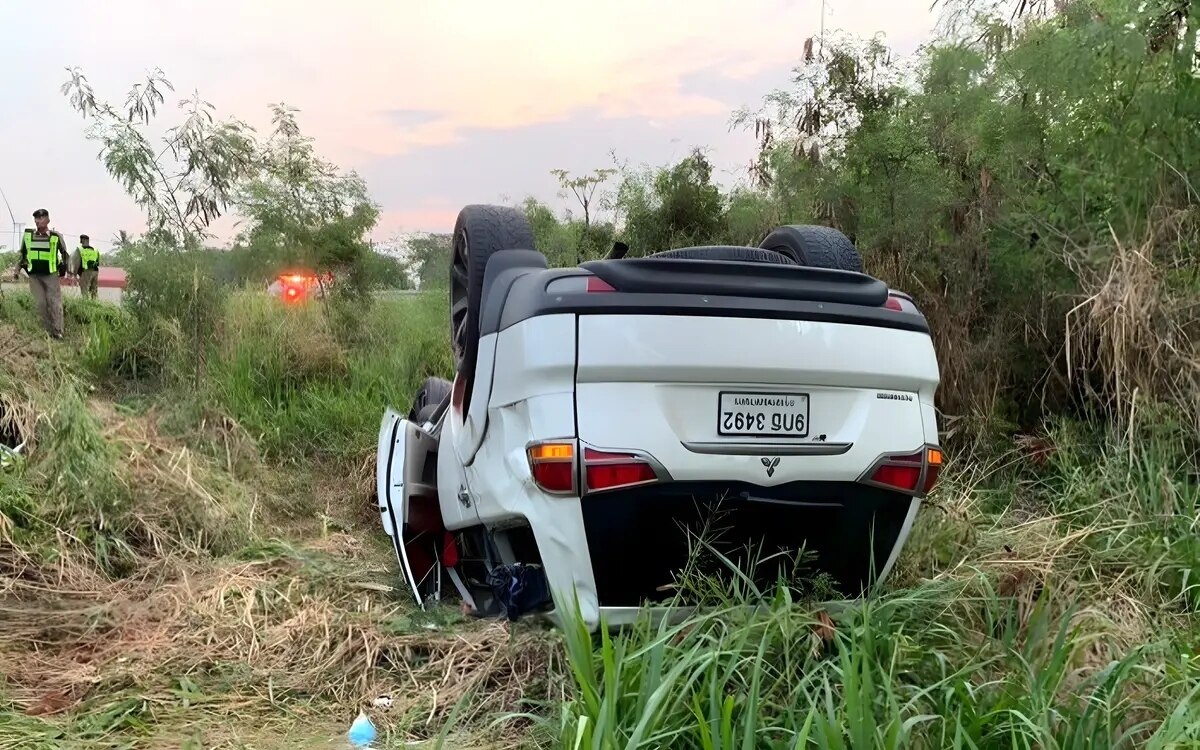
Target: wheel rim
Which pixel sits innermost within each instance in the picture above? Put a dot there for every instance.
(460, 274)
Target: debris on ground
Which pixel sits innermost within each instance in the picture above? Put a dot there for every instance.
(362, 732)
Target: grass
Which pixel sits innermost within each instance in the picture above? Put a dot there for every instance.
(1048, 603)
(285, 376)
(193, 563)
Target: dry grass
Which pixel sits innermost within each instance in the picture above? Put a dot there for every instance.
(311, 627)
(1138, 328)
(23, 358)
(974, 346)
(214, 623)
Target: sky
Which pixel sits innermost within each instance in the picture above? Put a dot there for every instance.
(435, 104)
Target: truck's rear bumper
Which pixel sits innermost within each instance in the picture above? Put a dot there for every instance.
(590, 564)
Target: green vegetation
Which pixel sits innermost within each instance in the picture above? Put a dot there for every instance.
(189, 555)
(1047, 606)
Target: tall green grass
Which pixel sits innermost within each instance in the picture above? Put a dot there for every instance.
(288, 378)
(910, 670)
(1049, 598)
(291, 376)
(1046, 603)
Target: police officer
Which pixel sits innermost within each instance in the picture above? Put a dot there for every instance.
(43, 256)
(89, 267)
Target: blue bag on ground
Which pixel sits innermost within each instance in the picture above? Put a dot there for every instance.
(362, 731)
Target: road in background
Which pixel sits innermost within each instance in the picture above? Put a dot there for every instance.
(104, 294)
(108, 294)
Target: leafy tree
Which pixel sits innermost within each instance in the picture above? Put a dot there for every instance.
(997, 176)
(188, 179)
(428, 259)
(584, 189)
(563, 241)
(671, 207)
(301, 208)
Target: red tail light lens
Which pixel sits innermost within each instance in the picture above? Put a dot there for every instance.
(554, 476)
(597, 284)
(552, 466)
(610, 471)
(933, 467)
(904, 472)
(901, 477)
(618, 475)
(893, 304)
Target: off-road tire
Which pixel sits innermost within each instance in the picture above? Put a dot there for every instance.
(815, 246)
(743, 254)
(479, 231)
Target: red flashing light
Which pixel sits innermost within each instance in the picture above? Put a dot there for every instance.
(597, 284)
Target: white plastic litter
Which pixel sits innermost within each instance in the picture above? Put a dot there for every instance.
(383, 702)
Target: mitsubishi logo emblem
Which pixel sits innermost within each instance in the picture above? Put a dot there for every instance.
(770, 463)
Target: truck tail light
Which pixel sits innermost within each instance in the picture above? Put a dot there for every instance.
(910, 473)
(933, 467)
(604, 470)
(552, 465)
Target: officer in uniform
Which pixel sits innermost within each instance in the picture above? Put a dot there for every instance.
(89, 267)
(43, 256)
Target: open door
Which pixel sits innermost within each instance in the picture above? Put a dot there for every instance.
(405, 476)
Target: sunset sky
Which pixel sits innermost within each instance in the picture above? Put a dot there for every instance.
(436, 104)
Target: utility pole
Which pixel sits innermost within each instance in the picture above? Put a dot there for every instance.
(821, 36)
(17, 227)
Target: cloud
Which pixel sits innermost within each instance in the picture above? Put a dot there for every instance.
(408, 118)
(439, 90)
(424, 189)
(474, 64)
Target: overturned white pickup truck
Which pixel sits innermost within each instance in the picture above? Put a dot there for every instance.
(599, 413)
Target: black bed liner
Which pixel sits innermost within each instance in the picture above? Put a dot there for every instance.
(516, 289)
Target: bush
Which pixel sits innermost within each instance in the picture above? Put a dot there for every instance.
(302, 390)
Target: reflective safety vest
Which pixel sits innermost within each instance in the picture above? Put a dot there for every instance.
(89, 258)
(41, 253)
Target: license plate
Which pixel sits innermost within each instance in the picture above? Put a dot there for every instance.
(762, 414)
